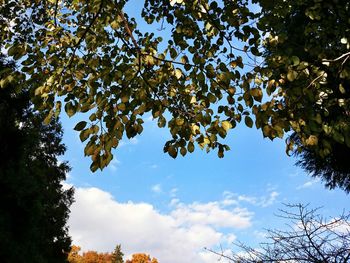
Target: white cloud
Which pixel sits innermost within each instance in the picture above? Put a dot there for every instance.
(308, 184)
(157, 188)
(262, 201)
(212, 213)
(270, 200)
(99, 222)
(132, 141)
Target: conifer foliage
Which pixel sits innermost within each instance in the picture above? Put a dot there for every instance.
(34, 205)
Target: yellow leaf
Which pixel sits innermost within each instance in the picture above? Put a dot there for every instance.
(178, 73)
(226, 125)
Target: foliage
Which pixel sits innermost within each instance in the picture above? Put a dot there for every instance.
(308, 77)
(73, 256)
(309, 238)
(334, 168)
(117, 255)
(89, 256)
(34, 205)
(92, 55)
(141, 258)
(217, 61)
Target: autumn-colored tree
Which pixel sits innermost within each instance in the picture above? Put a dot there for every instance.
(73, 256)
(141, 258)
(90, 256)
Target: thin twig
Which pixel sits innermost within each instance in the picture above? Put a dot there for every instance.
(338, 58)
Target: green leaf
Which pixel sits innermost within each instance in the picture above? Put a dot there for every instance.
(295, 60)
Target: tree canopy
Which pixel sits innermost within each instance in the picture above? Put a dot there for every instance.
(308, 54)
(210, 66)
(115, 257)
(34, 205)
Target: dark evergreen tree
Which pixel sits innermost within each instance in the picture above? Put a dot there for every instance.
(34, 205)
(333, 169)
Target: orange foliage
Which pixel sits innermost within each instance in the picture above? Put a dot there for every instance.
(141, 258)
(94, 257)
(88, 257)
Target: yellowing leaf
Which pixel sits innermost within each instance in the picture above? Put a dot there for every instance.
(179, 121)
(226, 125)
(178, 73)
(312, 140)
(195, 129)
(291, 75)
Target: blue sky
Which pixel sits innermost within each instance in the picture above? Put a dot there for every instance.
(148, 202)
(202, 200)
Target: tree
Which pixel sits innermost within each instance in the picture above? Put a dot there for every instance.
(308, 76)
(309, 238)
(73, 256)
(34, 205)
(95, 257)
(117, 255)
(141, 258)
(334, 168)
(92, 55)
(205, 77)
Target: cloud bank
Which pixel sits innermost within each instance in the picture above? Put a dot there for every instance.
(99, 222)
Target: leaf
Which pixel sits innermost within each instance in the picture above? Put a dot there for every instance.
(178, 73)
(161, 122)
(172, 151)
(94, 166)
(291, 75)
(295, 60)
(257, 94)
(226, 125)
(248, 121)
(179, 121)
(115, 25)
(48, 118)
(312, 140)
(80, 125)
(85, 134)
(70, 109)
(183, 151)
(190, 147)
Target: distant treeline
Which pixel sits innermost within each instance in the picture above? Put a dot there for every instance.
(116, 256)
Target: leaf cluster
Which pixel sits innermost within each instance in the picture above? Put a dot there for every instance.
(283, 67)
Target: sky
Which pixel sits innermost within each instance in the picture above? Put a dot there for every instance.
(174, 209)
